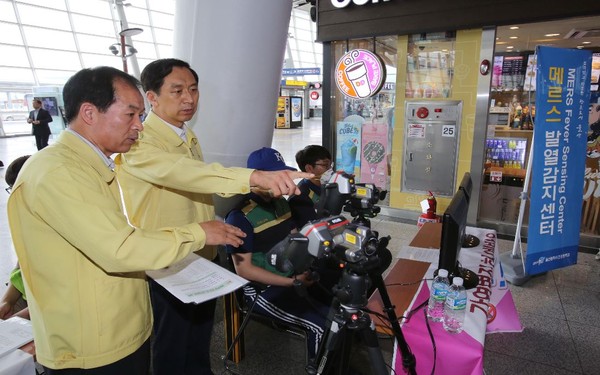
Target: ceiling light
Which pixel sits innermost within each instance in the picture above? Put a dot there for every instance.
(586, 42)
(555, 34)
(514, 37)
(514, 27)
(579, 47)
(510, 47)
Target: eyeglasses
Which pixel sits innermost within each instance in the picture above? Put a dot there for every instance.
(8, 189)
(325, 165)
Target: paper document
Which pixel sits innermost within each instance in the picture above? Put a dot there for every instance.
(14, 333)
(420, 254)
(195, 279)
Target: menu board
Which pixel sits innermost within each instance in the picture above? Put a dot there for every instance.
(513, 72)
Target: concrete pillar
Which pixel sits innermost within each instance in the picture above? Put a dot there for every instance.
(237, 47)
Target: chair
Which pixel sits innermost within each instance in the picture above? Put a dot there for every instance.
(236, 301)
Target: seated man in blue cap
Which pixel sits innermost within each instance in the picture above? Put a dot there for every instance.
(266, 222)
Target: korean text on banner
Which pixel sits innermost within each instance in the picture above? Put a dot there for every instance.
(560, 134)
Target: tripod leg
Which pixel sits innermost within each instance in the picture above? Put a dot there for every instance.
(409, 361)
(369, 337)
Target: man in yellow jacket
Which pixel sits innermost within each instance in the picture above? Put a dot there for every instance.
(166, 183)
(81, 261)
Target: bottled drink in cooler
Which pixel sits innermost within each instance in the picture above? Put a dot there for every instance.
(455, 306)
(439, 288)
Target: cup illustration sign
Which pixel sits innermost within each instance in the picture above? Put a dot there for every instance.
(348, 149)
(357, 74)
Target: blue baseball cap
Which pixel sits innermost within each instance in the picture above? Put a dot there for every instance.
(267, 159)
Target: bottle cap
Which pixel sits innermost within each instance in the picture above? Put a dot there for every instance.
(442, 272)
(458, 281)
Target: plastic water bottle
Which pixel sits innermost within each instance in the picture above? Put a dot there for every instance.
(439, 288)
(455, 307)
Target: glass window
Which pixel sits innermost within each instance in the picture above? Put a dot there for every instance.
(97, 8)
(303, 35)
(53, 77)
(164, 50)
(145, 50)
(9, 33)
(93, 25)
(305, 46)
(18, 75)
(429, 67)
(48, 59)
(166, 21)
(13, 56)
(137, 15)
(7, 12)
(43, 17)
(167, 6)
(163, 36)
(46, 38)
(54, 4)
(94, 44)
(91, 60)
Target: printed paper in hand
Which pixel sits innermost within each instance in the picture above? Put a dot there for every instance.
(14, 333)
(195, 279)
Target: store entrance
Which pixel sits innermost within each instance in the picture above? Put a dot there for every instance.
(511, 118)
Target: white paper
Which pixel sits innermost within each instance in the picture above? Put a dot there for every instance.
(14, 333)
(17, 362)
(195, 279)
(420, 254)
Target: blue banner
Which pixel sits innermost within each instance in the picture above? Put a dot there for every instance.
(559, 151)
(300, 71)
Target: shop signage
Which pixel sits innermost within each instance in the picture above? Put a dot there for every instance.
(314, 95)
(359, 74)
(300, 71)
(290, 82)
(345, 3)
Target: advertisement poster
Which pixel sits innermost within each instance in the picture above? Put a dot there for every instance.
(348, 144)
(373, 157)
(296, 108)
(560, 135)
(590, 216)
(497, 72)
(529, 84)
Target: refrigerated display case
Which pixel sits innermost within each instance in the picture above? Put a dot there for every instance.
(506, 155)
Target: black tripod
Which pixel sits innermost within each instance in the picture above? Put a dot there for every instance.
(348, 318)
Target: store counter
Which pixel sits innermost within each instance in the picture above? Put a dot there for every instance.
(490, 307)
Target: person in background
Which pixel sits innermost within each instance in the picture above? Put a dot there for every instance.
(267, 221)
(14, 301)
(82, 262)
(39, 119)
(165, 182)
(313, 159)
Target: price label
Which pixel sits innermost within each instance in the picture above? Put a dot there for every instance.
(448, 131)
(495, 176)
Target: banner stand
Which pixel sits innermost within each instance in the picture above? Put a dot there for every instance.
(513, 263)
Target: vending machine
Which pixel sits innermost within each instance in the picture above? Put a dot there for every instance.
(289, 112)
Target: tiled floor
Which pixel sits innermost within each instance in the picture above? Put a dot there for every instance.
(560, 310)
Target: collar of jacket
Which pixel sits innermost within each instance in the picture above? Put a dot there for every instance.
(154, 125)
(87, 154)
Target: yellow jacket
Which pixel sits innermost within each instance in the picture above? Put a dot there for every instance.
(166, 183)
(80, 258)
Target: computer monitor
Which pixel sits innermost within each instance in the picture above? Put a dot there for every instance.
(454, 224)
(466, 185)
